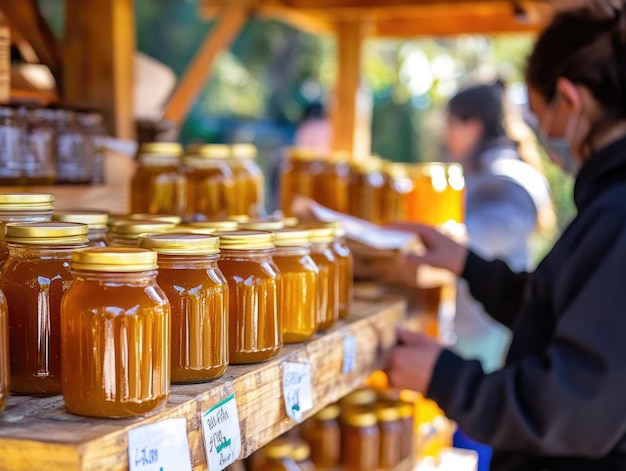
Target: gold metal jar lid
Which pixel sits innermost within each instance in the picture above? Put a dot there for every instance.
(292, 237)
(114, 259)
(131, 229)
(395, 169)
(46, 233)
(360, 397)
(321, 234)
(369, 165)
(243, 151)
(328, 413)
(356, 417)
(208, 151)
(388, 413)
(160, 148)
(405, 409)
(216, 224)
(94, 219)
(291, 221)
(26, 202)
(170, 218)
(180, 243)
(262, 224)
(300, 450)
(338, 228)
(302, 154)
(240, 218)
(279, 448)
(246, 240)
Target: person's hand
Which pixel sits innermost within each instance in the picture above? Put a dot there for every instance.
(412, 363)
(441, 251)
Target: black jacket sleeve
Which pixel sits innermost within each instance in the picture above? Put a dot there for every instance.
(567, 399)
(496, 287)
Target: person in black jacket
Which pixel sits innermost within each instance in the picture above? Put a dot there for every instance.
(559, 403)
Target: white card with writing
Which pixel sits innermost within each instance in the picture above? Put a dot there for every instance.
(349, 354)
(297, 389)
(222, 436)
(162, 446)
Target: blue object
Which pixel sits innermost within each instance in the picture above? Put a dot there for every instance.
(460, 440)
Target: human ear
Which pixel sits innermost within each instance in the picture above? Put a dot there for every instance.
(569, 94)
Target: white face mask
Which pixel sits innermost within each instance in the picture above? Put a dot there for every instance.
(560, 147)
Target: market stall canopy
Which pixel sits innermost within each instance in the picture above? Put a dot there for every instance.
(398, 18)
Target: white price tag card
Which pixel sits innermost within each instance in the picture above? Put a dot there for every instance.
(222, 436)
(297, 389)
(162, 446)
(349, 354)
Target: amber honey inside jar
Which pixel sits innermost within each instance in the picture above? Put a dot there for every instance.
(331, 181)
(296, 177)
(365, 190)
(198, 296)
(277, 456)
(391, 431)
(396, 192)
(322, 254)
(4, 352)
(158, 185)
(96, 220)
(299, 283)
(255, 327)
(301, 454)
(34, 279)
(115, 332)
(210, 182)
(124, 233)
(323, 434)
(407, 418)
(345, 267)
(360, 440)
(249, 181)
(22, 207)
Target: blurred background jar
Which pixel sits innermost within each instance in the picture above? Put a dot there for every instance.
(91, 120)
(366, 189)
(331, 180)
(210, 183)
(39, 163)
(74, 151)
(397, 188)
(158, 185)
(249, 180)
(97, 221)
(12, 145)
(297, 177)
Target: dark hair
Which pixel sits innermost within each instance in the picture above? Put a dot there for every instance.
(483, 102)
(586, 45)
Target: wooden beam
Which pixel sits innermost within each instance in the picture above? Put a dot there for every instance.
(98, 67)
(198, 72)
(299, 20)
(348, 136)
(451, 25)
(25, 17)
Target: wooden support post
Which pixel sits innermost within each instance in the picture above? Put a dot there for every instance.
(351, 132)
(222, 34)
(98, 66)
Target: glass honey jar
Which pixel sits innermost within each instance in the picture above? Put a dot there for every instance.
(124, 233)
(301, 453)
(4, 352)
(211, 226)
(97, 221)
(345, 267)
(297, 177)
(262, 224)
(115, 334)
(323, 434)
(397, 188)
(34, 279)
(198, 296)
(210, 182)
(276, 456)
(391, 431)
(362, 397)
(168, 218)
(360, 440)
(255, 312)
(322, 254)
(331, 181)
(438, 194)
(407, 418)
(22, 207)
(365, 190)
(158, 185)
(249, 181)
(299, 284)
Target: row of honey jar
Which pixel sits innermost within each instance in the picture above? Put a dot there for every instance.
(202, 182)
(110, 327)
(365, 431)
(375, 190)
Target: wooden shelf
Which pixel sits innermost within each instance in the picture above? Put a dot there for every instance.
(37, 433)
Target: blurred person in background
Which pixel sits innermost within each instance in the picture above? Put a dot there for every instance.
(505, 196)
(558, 403)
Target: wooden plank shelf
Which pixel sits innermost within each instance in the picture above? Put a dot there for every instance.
(37, 433)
